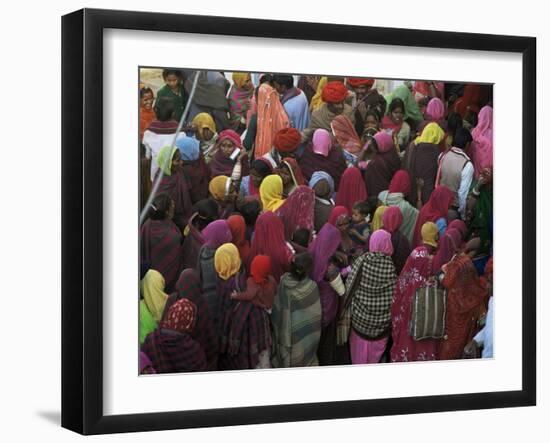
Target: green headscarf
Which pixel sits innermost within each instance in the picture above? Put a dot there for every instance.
(411, 108)
(164, 159)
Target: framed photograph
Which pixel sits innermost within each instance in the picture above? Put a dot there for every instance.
(162, 112)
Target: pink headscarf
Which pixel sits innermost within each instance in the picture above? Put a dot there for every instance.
(482, 144)
(384, 141)
(321, 142)
(435, 110)
(380, 241)
(392, 219)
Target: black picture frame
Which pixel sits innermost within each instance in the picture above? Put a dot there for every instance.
(82, 218)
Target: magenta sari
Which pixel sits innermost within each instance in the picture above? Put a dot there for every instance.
(417, 270)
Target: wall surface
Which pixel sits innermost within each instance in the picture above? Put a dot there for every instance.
(30, 183)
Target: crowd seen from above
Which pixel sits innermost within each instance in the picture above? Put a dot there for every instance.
(297, 221)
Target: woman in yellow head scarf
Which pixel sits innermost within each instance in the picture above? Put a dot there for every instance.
(205, 130)
(219, 187)
(316, 100)
(227, 261)
(152, 288)
(421, 160)
(271, 192)
(430, 234)
(432, 133)
(377, 218)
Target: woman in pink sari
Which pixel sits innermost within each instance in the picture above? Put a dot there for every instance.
(482, 144)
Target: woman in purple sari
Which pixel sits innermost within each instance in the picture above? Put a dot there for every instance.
(327, 277)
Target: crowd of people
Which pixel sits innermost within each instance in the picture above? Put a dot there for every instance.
(292, 220)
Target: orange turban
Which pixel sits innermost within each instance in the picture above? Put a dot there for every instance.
(334, 92)
(356, 81)
(287, 140)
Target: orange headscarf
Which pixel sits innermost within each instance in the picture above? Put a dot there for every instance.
(272, 118)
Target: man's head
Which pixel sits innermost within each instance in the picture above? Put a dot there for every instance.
(283, 83)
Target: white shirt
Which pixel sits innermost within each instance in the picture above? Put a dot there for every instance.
(153, 143)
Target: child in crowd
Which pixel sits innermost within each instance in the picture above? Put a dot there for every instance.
(360, 223)
(261, 287)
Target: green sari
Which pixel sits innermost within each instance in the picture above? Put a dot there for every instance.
(147, 323)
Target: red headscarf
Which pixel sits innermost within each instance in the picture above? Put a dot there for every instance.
(181, 316)
(460, 226)
(334, 92)
(237, 226)
(229, 134)
(400, 182)
(356, 81)
(260, 269)
(336, 213)
(448, 246)
(287, 140)
(437, 207)
(392, 219)
(352, 189)
(269, 239)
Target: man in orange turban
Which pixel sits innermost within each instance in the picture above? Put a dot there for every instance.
(335, 94)
(368, 103)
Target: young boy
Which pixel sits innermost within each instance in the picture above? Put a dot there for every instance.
(174, 90)
(360, 226)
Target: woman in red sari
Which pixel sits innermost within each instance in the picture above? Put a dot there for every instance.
(415, 273)
(237, 226)
(449, 245)
(466, 304)
(161, 241)
(269, 239)
(352, 189)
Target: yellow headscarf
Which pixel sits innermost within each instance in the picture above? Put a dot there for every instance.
(204, 120)
(164, 159)
(429, 234)
(432, 133)
(219, 187)
(316, 100)
(377, 218)
(239, 78)
(271, 192)
(152, 287)
(227, 260)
